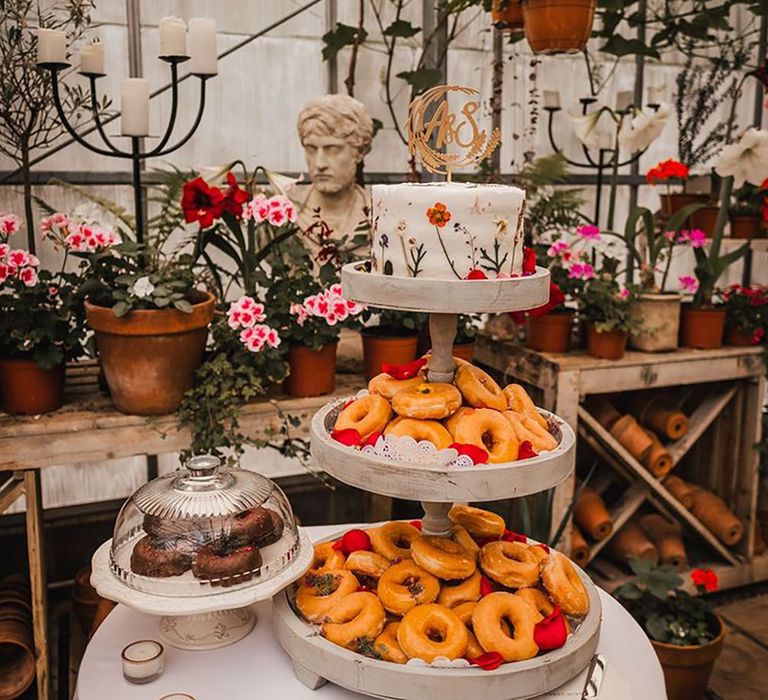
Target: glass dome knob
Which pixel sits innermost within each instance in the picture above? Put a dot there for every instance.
(203, 466)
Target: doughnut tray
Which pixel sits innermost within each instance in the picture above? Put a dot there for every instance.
(416, 482)
(317, 661)
(445, 296)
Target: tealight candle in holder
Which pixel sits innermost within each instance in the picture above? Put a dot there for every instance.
(143, 661)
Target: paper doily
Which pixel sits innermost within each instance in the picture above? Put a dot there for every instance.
(404, 448)
(440, 662)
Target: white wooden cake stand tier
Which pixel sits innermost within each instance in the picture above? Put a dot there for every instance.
(316, 661)
(215, 618)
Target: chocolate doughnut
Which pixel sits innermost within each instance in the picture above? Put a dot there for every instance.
(251, 525)
(275, 531)
(226, 562)
(151, 558)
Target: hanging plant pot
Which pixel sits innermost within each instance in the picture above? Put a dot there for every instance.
(26, 389)
(390, 345)
(606, 345)
(745, 227)
(687, 668)
(658, 316)
(737, 337)
(311, 372)
(702, 328)
(550, 332)
(509, 18)
(149, 357)
(558, 26)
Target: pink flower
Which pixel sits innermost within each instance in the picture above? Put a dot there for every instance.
(590, 233)
(4, 250)
(256, 337)
(5, 272)
(244, 313)
(688, 283)
(697, 238)
(28, 275)
(76, 242)
(558, 248)
(623, 293)
(331, 319)
(18, 258)
(582, 271)
(336, 290)
(272, 338)
(276, 217)
(9, 224)
(669, 235)
(257, 209)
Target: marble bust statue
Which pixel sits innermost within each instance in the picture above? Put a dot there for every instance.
(336, 133)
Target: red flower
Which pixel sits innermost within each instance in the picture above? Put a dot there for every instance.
(510, 536)
(529, 261)
(477, 454)
(706, 579)
(348, 436)
(201, 203)
(352, 541)
(551, 632)
(372, 439)
(667, 170)
(235, 197)
(438, 215)
(416, 524)
(526, 451)
(406, 371)
(489, 661)
(757, 336)
(486, 586)
(476, 275)
(556, 299)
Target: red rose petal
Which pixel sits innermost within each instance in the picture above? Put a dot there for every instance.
(349, 436)
(489, 661)
(416, 524)
(526, 451)
(545, 547)
(476, 454)
(510, 536)
(551, 632)
(476, 275)
(372, 439)
(348, 402)
(406, 371)
(486, 586)
(354, 540)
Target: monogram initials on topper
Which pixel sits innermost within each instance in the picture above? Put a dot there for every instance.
(433, 128)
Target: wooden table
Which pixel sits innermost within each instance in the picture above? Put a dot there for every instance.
(736, 375)
(88, 428)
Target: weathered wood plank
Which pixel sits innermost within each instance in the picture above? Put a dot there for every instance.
(741, 671)
(10, 492)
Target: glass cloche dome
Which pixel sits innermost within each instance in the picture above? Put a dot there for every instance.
(203, 529)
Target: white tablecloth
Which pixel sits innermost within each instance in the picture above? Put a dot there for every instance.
(257, 666)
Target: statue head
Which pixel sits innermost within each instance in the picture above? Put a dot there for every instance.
(336, 133)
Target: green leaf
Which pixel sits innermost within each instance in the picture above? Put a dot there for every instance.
(401, 28)
(162, 302)
(657, 628)
(121, 308)
(183, 305)
(617, 45)
(343, 35)
(422, 79)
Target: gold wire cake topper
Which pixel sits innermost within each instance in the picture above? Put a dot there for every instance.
(432, 127)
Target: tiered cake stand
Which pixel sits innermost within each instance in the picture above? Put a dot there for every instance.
(315, 659)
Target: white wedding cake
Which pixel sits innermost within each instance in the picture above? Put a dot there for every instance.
(447, 230)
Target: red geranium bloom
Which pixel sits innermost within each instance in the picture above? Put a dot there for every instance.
(201, 203)
(706, 579)
(667, 170)
(438, 215)
(529, 261)
(235, 197)
(556, 299)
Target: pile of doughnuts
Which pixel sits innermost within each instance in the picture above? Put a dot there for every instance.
(473, 412)
(412, 595)
(224, 551)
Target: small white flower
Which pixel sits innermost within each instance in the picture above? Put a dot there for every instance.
(401, 228)
(747, 160)
(142, 287)
(596, 129)
(639, 133)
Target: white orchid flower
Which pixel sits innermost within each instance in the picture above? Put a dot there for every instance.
(596, 129)
(644, 128)
(142, 287)
(746, 160)
(282, 183)
(214, 175)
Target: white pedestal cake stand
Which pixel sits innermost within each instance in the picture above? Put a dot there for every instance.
(208, 621)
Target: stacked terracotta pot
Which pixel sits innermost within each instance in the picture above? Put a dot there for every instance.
(17, 661)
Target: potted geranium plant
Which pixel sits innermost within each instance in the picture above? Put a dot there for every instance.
(41, 327)
(392, 339)
(746, 318)
(686, 635)
(746, 210)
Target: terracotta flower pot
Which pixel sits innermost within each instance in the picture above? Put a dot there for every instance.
(667, 536)
(702, 328)
(382, 345)
(17, 660)
(312, 372)
(558, 26)
(687, 669)
(659, 318)
(632, 437)
(605, 413)
(658, 461)
(681, 490)
(591, 515)
(630, 542)
(745, 227)
(706, 218)
(652, 411)
(465, 351)
(149, 357)
(670, 203)
(509, 18)
(606, 345)
(579, 548)
(85, 599)
(737, 337)
(551, 332)
(717, 517)
(25, 388)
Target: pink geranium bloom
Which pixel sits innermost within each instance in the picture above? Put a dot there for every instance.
(330, 318)
(688, 283)
(623, 293)
(18, 258)
(323, 307)
(336, 290)
(9, 224)
(28, 275)
(590, 233)
(669, 235)
(5, 272)
(582, 271)
(276, 217)
(273, 339)
(4, 250)
(697, 238)
(557, 248)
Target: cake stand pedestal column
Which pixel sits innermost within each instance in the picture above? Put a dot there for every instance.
(435, 520)
(208, 630)
(442, 331)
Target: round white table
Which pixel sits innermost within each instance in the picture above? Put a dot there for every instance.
(257, 666)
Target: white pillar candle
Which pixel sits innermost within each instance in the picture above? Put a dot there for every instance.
(142, 661)
(173, 37)
(51, 46)
(551, 99)
(655, 94)
(624, 100)
(134, 107)
(202, 46)
(92, 58)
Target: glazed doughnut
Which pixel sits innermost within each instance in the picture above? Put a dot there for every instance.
(518, 400)
(429, 631)
(464, 613)
(442, 557)
(510, 563)
(386, 646)
(369, 414)
(427, 401)
(326, 558)
(538, 551)
(429, 430)
(478, 522)
(528, 429)
(467, 591)
(404, 586)
(478, 388)
(462, 537)
(393, 540)
(564, 585)
(318, 594)
(355, 621)
(387, 386)
(537, 599)
(486, 623)
(366, 563)
(450, 423)
(489, 430)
